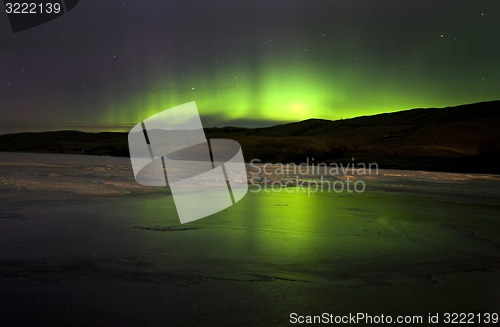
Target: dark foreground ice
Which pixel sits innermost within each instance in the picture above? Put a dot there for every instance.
(81, 244)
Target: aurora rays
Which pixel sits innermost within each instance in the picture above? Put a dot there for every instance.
(248, 63)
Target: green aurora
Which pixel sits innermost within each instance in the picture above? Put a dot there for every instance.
(247, 63)
(294, 92)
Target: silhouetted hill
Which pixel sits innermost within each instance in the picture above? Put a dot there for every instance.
(105, 143)
(463, 138)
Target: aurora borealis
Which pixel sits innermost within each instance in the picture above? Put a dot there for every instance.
(109, 64)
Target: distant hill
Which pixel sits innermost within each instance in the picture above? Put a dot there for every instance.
(464, 138)
(105, 143)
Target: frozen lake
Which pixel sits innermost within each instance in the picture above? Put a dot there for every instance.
(82, 243)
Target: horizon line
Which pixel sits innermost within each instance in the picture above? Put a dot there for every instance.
(238, 123)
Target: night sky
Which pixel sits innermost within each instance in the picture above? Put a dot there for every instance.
(107, 65)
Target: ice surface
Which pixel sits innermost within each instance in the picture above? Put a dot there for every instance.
(94, 175)
(79, 237)
(68, 174)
